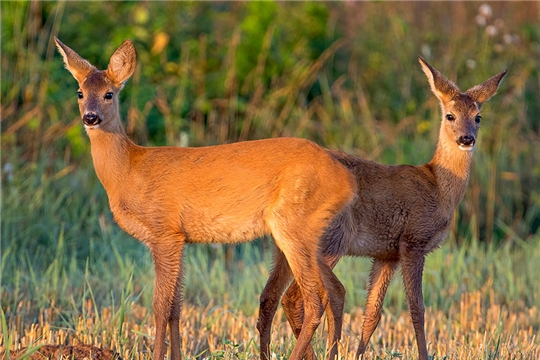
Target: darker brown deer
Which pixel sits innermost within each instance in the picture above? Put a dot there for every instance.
(402, 213)
(167, 197)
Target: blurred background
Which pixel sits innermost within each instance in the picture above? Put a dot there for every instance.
(344, 74)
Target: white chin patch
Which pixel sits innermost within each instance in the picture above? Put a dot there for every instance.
(92, 127)
(466, 148)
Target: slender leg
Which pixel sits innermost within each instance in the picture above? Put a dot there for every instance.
(167, 258)
(279, 278)
(298, 235)
(412, 265)
(293, 305)
(302, 256)
(379, 278)
(334, 309)
(174, 319)
(315, 301)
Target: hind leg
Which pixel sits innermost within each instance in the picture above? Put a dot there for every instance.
(379, 278)
(301, 251)
(334, 309)
(293, 305)
(279, 279)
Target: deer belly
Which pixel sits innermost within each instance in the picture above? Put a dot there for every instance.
(366, 245)
(201, 227)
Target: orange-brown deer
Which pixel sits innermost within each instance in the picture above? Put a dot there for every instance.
(401, 213)
(169, 196)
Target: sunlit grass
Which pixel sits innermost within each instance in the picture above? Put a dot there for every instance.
(470, 329)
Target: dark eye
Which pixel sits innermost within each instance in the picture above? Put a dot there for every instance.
(478, 118)
(79, 94)
(108, 96)
(450, 117)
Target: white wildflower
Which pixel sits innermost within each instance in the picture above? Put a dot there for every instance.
(491, 31)
(499, 23)
(426, 51)
(480, 20)
(485, 11)
(471, 64)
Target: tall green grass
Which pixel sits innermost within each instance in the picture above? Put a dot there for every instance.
(64, 249)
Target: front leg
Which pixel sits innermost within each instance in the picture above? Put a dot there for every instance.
(174, 318)
(167, 296)
(412, 264)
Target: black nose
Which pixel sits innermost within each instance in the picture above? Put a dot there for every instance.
(466, 140)
(91, 118)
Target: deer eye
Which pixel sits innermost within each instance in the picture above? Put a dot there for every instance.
(79, 94)
(450, 117)
(478, 118)
(109, 95)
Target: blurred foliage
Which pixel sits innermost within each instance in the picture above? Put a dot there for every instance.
(344, 74)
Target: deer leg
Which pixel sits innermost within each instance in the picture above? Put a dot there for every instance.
(293, 305)
(315, 301)
(412, 266)
(379, 278)
(305, 267)
(279, 278)
(167, 292)
(174, 318)
(334, 309)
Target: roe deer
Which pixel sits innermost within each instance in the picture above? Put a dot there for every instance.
(401, 213)
(169, 196)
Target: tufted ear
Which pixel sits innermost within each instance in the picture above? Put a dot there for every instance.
(443, 88)
(76, 65)
(122, 63)
(484, 92)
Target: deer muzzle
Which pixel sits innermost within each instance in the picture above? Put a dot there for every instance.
(466, 142)
(91, 119)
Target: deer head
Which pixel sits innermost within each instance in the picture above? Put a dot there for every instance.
(460, 111)
(98, 90)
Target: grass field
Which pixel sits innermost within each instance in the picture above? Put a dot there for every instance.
(469, 330)
(481, 303)
(343, 74)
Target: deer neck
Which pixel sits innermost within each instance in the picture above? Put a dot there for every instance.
(451, 167)
(110, 148)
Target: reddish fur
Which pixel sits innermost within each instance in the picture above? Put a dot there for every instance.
(401, 213)
(169, 196)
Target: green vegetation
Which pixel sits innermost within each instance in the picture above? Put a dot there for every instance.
(343, 74)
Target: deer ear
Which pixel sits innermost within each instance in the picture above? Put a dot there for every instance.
(484, 92)
(122, 63)
(76, 65)
(443, 88)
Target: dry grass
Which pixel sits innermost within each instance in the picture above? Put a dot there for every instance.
(470, 330)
